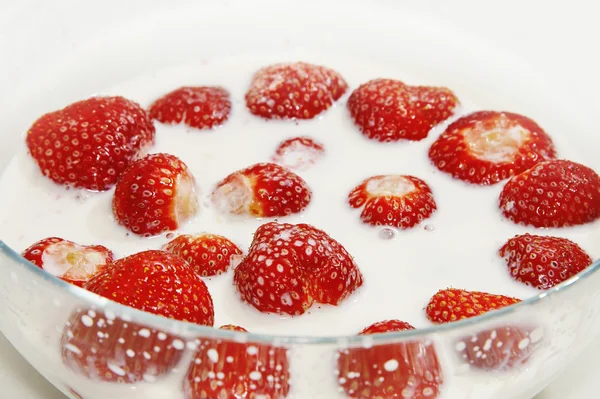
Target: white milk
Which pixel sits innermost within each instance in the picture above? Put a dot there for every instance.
(456, 247)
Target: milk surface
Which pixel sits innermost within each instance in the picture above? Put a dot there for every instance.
(456, 247)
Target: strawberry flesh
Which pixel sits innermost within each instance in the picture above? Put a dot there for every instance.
(156, 194)
(486, 147)
(294, 91)
(543, 261)
(402, 370)
(289, 267)
(90, 143)
(198, 107)
(389, 110)
(69, 261)
(552, 194)
(393, 200)
(208, 254)
(262, 190)
(298, 153)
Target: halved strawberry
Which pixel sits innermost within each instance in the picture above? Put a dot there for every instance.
(298, 152)
(208, 254)
(500, 348)
(157, 282)
(155, 194)
(294, 91)
(232, 370)
(543, 261)
(90, 143)
(202, 107)
(101, 346)
(486, 147)
(389, 110)
(289, 267)
(69, 261)
(233, 327)
(552, 194)
(402, 370)
(393, 200)
(262, 190)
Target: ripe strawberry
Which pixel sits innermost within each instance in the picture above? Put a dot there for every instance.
(552, 194)
(262, 190)
(232, 370)
(208, 254)
(494, 349)
(542, 261)
(233, 327)
(294, 91)
(71, 262)
(389, 110)
(487, 146)
(90, 143)
(402, 370)
(289, 267)
(393, 200)
(298, 153)
(101, 346)
(155, 194)
(199, 107)
(157, 282)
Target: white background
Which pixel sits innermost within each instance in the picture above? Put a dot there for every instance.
(560, 38)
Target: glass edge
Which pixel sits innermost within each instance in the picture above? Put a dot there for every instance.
(191, 328)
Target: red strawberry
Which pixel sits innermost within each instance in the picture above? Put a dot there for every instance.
(389, 110)
(104, 347)
(262, 190)
(91, 142)
(389, 371)
(69, 261)
(208, 254)
(487, 146)
(200, 107)
(495, 349)
(233, 327)
(542, 261)
(298, 152)
(155, 194)
(233, 370)
(289, 267)
(393, 200)
(294, 91)
(157, 282)
(552, 194)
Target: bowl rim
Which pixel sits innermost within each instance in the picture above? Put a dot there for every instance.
(160, 322)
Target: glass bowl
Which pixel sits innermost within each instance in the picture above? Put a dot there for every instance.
(52, 323)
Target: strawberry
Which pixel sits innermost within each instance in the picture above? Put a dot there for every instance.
(157, 282)
(233, 327)
(389, 110)
(199, 107)
(542, 261)
(393, 200)
(487, 146)
(298, 153)
(289, 267)
(494, 349)
(90, 143)
(552, 194)
(231, 370)
(208, 254)
(401, 370)
(101, 346)
(262, 190)
(294, 91)
(155, 194)
(71, 262)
